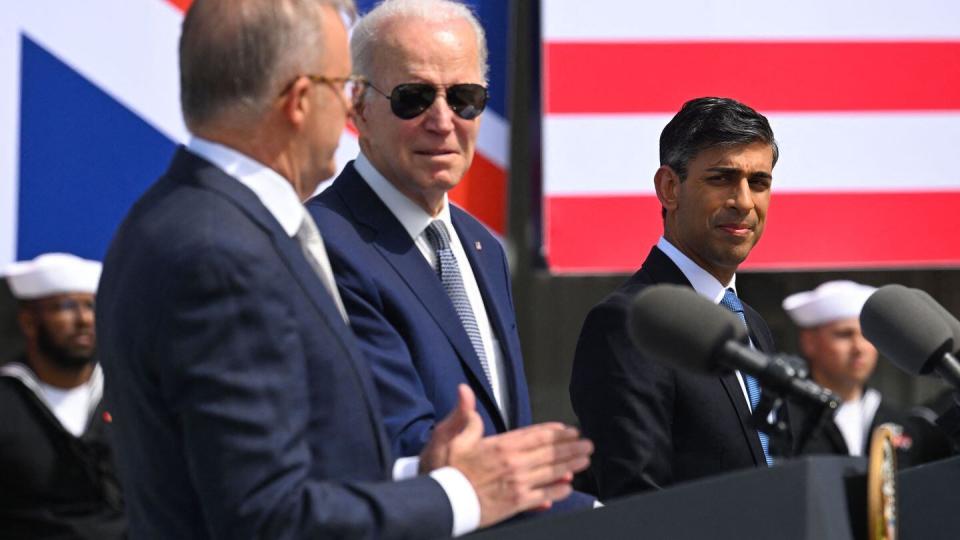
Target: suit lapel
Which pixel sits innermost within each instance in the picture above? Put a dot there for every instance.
(290, 252)
(661, 269)
(493, 304)
(731, 384)
(760, 340)
(398, 249)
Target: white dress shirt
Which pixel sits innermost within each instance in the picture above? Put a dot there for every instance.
(415, 221)
(705, 284)
(276, 193)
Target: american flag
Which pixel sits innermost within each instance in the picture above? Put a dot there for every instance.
(863, 97)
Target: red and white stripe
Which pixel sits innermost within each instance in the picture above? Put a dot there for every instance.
(864, 100)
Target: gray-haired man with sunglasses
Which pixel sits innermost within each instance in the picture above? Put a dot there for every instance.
(426, 286)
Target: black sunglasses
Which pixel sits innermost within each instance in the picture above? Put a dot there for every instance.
(411, 99)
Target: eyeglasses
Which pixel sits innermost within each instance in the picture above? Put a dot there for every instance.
(411, 99)
(350, 87)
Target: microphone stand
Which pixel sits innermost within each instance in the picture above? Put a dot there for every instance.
(818, 411)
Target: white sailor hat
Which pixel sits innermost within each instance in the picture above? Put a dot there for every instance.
(50, 274)
(831, 301)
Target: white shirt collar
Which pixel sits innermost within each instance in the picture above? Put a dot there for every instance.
(274, 191)
(73, 420)
(703, 282)
(413, 218)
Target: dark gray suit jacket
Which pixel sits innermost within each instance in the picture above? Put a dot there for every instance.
(653, 424)
(242, 406)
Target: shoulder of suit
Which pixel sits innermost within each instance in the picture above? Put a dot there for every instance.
(467, 221)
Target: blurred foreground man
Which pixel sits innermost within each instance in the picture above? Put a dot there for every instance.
(426, 286)
(57, 477)
(840, 358)
(243, 407)
(655, 425)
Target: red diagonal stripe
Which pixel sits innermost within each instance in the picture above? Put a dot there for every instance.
(182, 5)
(770, 76)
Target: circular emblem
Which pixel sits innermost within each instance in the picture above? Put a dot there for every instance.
(882, 483)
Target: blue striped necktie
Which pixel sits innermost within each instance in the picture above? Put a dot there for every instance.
(452, 281)
(731, 302)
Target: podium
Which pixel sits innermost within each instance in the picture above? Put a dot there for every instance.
(816, 497)
(929, 501)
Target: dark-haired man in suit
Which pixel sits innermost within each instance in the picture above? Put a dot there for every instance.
(655, 425)
(242, 405)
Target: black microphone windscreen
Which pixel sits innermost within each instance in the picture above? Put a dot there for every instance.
(952, 323)
(677, 326)
(905, 329)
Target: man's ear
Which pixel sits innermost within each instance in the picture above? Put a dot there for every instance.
(807, 342)
(667, 183)
(359, 110)
(295, 103)
(27, 321)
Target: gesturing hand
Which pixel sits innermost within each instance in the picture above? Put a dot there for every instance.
(511, 472)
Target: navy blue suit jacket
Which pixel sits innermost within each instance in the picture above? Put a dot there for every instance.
(406, 324)
(242, 407)
(653, 424)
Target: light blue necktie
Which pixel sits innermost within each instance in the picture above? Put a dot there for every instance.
(449, 274)
(731, 302)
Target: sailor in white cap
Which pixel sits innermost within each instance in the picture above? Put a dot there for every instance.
(841, 359)
(56, 470)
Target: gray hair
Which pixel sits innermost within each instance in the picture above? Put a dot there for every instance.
(367, 33)
(235, 55)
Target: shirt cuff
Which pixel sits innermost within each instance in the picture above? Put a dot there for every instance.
(406, 468)
(463, 499)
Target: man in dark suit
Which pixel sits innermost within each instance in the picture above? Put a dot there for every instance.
(242, 405)
(655, 425)
(418, 130)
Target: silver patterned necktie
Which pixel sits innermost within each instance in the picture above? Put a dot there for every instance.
(449, 273)
(731, 302)
(316, 254)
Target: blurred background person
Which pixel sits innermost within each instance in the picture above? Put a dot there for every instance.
(842, 359)
(56, 471)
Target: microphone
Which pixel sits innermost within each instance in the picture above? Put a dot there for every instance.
(949, 420)
(906, 328)
(677, 326)
(952, 323)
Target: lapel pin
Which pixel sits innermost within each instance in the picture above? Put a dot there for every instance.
(478, 246)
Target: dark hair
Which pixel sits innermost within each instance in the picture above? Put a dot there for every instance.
(708, 122)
